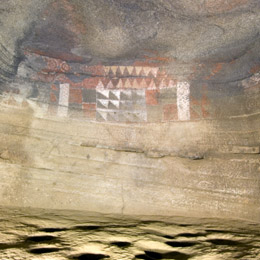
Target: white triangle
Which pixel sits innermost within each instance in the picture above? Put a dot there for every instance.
(100, 85)
(144, 84)
(146, 70)
(110, 85)
(115, 103)
(122, 68)
(130, 70)
(106, 68)
(138, 70)
(103, 114)
(154, 71)
(135, 84)
(116, 93)
(140, 92)
(120, 84)
(127, 92)
(162, 84)
(128, 84)
(171, 84)
(114, 69)
(104, 92)
(152, 85)
(103, 102)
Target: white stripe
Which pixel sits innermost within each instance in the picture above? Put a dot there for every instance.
(183, 100)
(64, 100)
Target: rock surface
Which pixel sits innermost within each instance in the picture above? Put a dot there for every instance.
(63, 235)
(131, 107)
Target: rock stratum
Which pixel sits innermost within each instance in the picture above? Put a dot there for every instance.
(131, 107)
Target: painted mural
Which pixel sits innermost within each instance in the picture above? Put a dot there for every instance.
(143, 92)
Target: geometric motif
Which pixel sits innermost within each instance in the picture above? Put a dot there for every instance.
(63, 100)
(116, 93)
(128, 71)
(183, 100)
(128, 105)
(89, 96)
(129, 83)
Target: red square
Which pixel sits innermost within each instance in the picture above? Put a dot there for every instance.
(170, 112)
(96, 70)
(91, 82)
(55, 88)
(151, 97)
(53, 97)
(75, 96)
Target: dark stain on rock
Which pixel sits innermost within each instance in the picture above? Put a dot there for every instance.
(121, 244)
(52, 35)
(52, 230)
(87, 227)
(168, 236)
(151, 255)
(180, 243)
(225, 242)
(191, 234)
(88, 256)
(218, 231)
(44, 250)
(4, 246)
(143, 256)
(175, 255)
(41, 239)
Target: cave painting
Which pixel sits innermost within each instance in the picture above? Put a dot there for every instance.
(127, 99)
(124, 94)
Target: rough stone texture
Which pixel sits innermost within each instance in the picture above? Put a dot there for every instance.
(40, 234)
(131, 107)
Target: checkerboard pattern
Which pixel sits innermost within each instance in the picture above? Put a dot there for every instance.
(121, 105)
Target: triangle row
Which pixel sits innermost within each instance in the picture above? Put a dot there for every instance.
(131, 71)
(121, 117)
(121, 105)
(126, 94)
(108, 104)
(136, 84)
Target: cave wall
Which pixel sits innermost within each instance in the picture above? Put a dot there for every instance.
(131, 107)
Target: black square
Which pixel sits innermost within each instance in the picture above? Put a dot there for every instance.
(89, 95)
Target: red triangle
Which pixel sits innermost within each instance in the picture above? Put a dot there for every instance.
(134, 72)
(126, 73)
(115, 82)
(118, 72)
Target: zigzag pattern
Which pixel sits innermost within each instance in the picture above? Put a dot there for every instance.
(135, 83)
(128, 71)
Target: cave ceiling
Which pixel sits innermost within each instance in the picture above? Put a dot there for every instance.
(192, 39)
